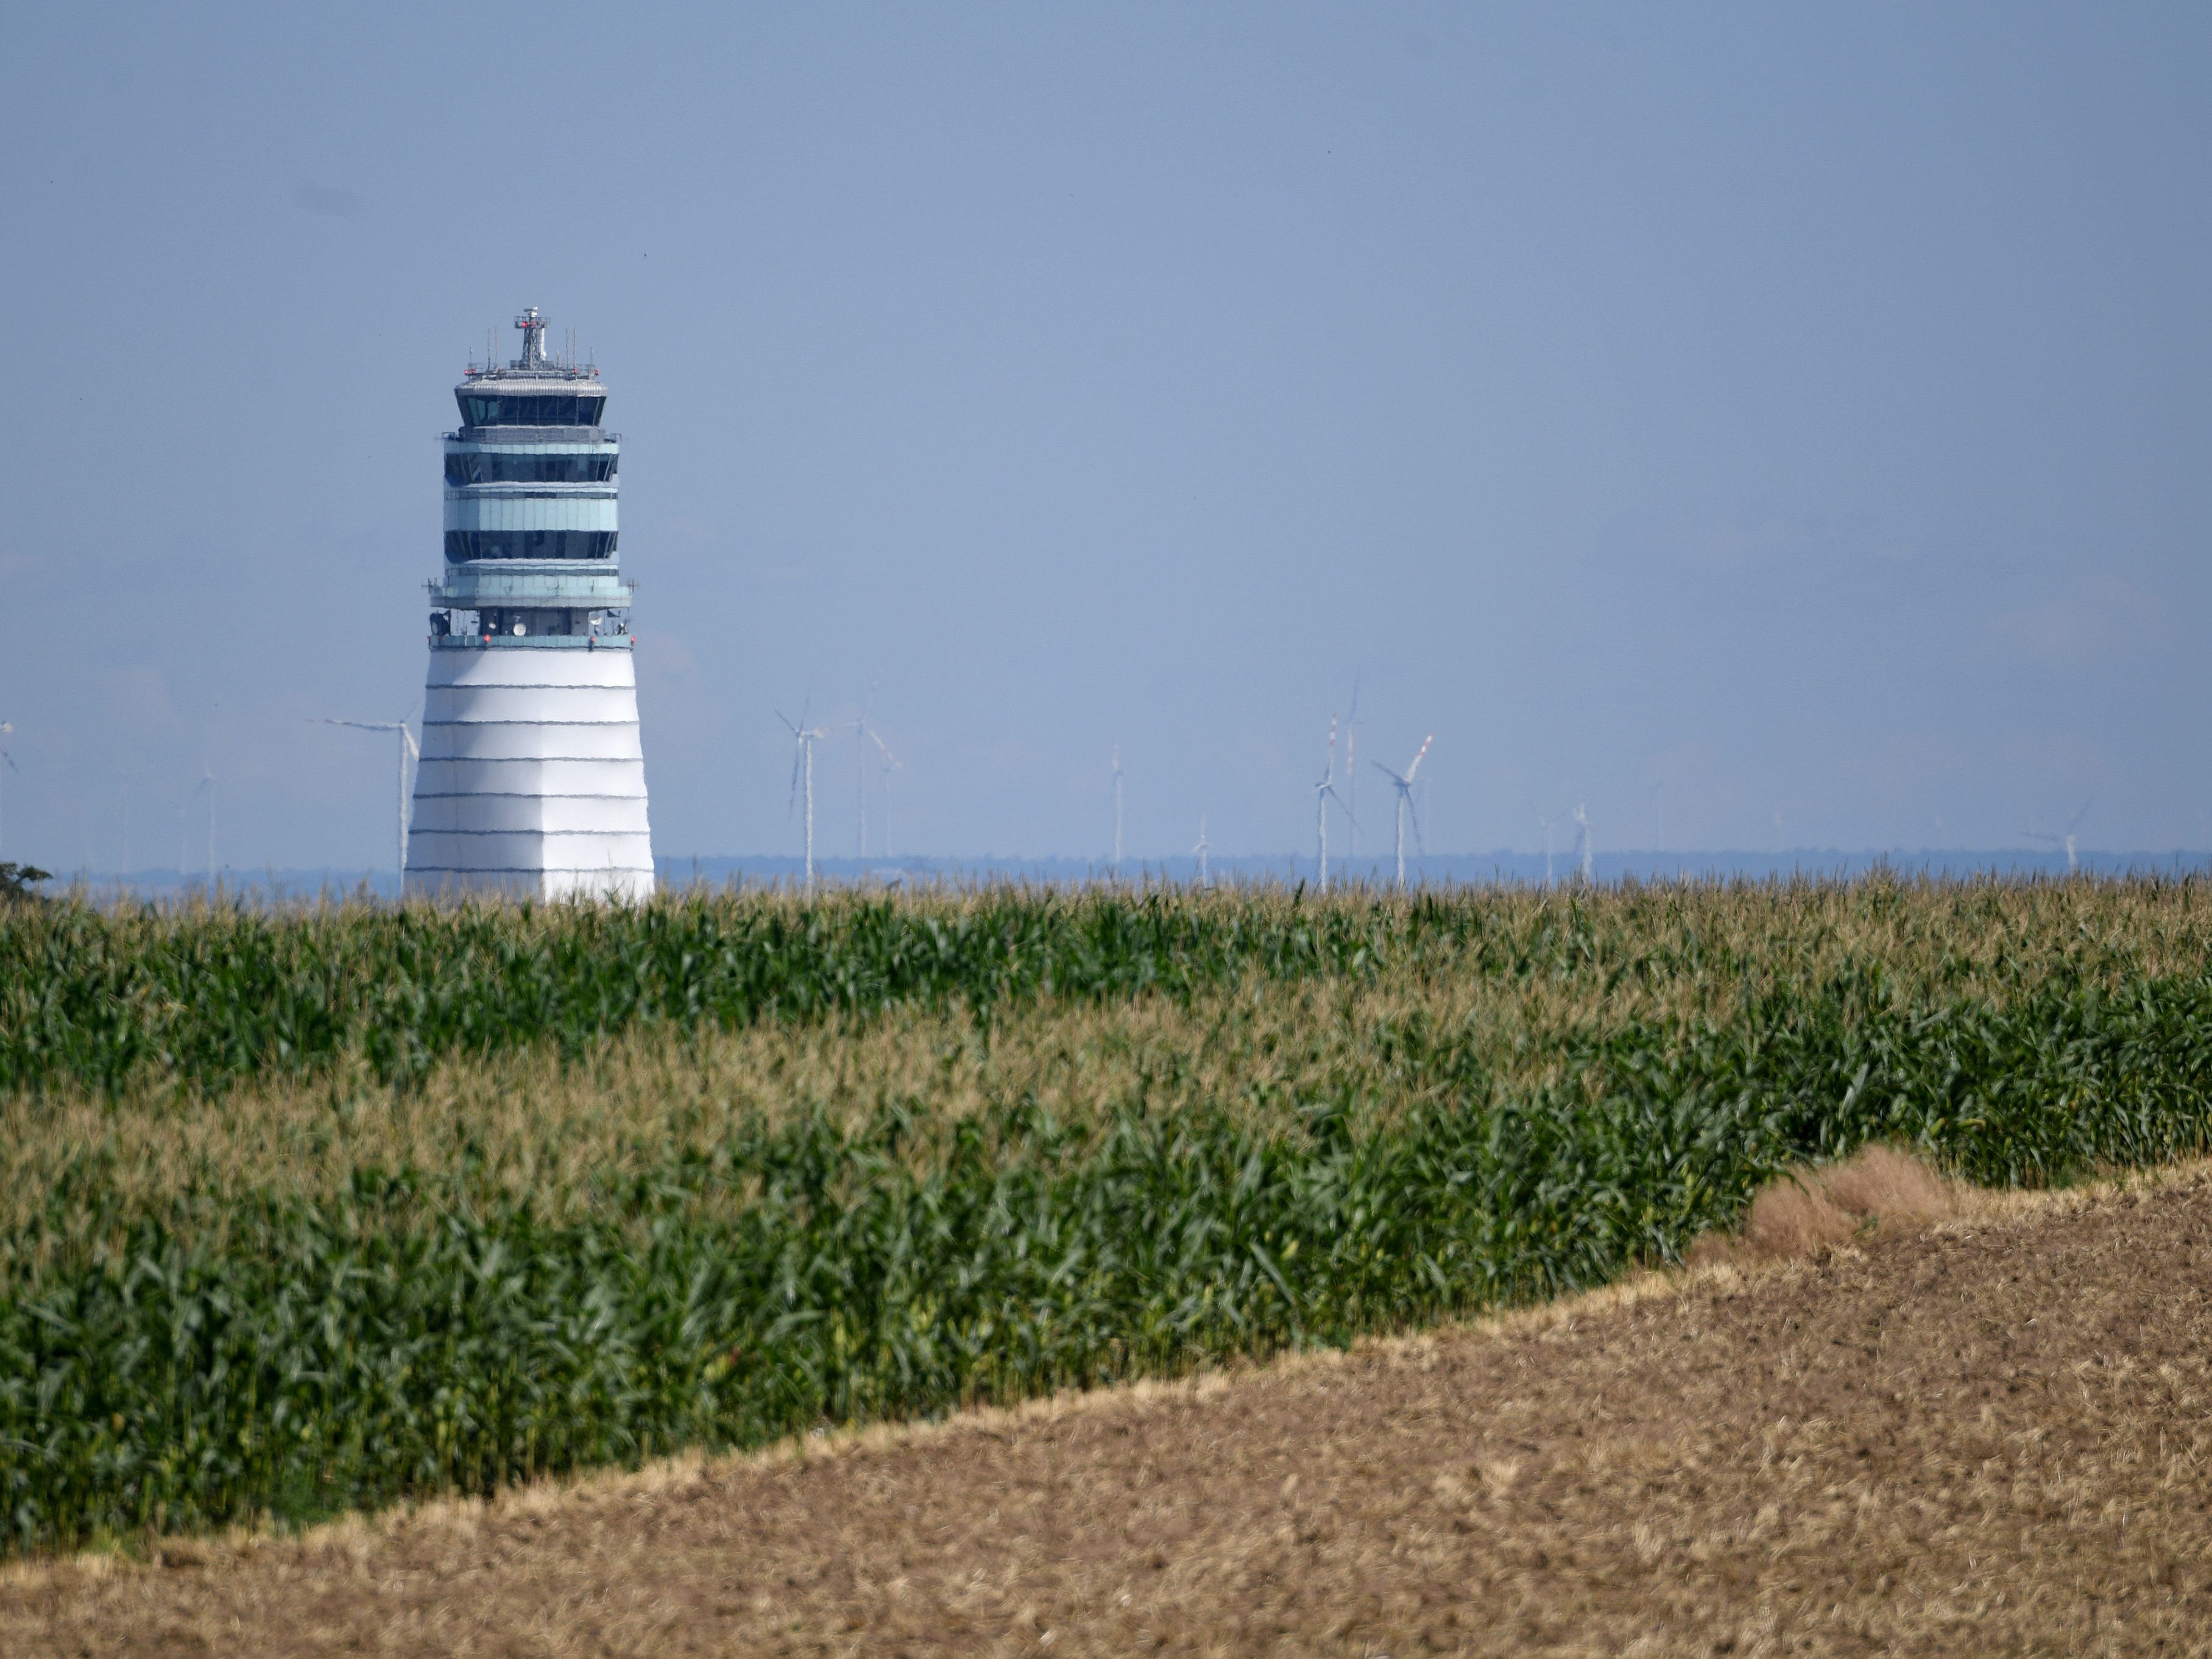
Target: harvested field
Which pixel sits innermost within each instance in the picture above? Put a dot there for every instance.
(1988, 1437)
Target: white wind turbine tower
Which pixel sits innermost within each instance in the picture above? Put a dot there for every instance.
(1324, 793)
(1582, 841)
(207, 785)
(1550, 825)
(1351, 771)
(1404, 786)
(860, 784)
(6, 726)
(861, 732)
(1117, 811)
(405, 746)
(2066, 841)
(802, 762)
(2071, 823)
(889, 762)
(1204, 847)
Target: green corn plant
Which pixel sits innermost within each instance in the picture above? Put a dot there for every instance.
(1552, 1093)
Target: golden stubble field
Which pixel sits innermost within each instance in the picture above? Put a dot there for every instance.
(1986, 1436)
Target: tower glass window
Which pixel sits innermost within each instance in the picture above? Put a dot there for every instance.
(508, 466)
(481, 406)
(462, 546)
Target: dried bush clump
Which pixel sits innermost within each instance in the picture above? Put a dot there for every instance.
(1878, 1189)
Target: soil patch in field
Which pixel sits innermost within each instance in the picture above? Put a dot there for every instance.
(1989, 1437)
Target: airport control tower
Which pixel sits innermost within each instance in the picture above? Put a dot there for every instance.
(532, 779)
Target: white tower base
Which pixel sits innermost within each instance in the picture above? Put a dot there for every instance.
(532, 779)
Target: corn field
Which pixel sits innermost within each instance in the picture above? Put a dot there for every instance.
(315, 1211)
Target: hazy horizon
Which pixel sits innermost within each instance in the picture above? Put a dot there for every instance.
(1774, 431)
(1496, 866)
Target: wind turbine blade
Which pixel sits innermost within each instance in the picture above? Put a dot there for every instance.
(1388, 774)
(1414, 813)
(1416, 766)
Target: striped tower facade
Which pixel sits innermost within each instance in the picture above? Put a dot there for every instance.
(532, 777)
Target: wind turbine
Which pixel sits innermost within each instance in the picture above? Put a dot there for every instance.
(1404, 786)
(207, 785)
(1324, 793)
(2072, 865)
(1582, 840)
(406, 747)
(6, 726)
(1204, 847)
(1550, 824)
(889, 760)
(1352, 769)
(1117, 811)
(860, 784)
(802, 761)
(861, 733)
(2066, 841)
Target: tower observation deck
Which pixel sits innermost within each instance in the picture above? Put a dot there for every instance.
(532, 779)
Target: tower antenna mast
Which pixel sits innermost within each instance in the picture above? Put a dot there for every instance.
(533, 340)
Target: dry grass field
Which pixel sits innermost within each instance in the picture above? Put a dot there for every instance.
(1981, 1425)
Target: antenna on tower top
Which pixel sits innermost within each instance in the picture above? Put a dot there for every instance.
(533, 339)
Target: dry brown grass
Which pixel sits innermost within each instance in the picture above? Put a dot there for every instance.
(1877, 1189)
(1984, 1434)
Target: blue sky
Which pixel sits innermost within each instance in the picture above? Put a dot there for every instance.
(1771, 426)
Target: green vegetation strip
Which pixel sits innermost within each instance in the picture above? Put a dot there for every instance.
(225, 1345)
(104, 997)
(111, 998)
